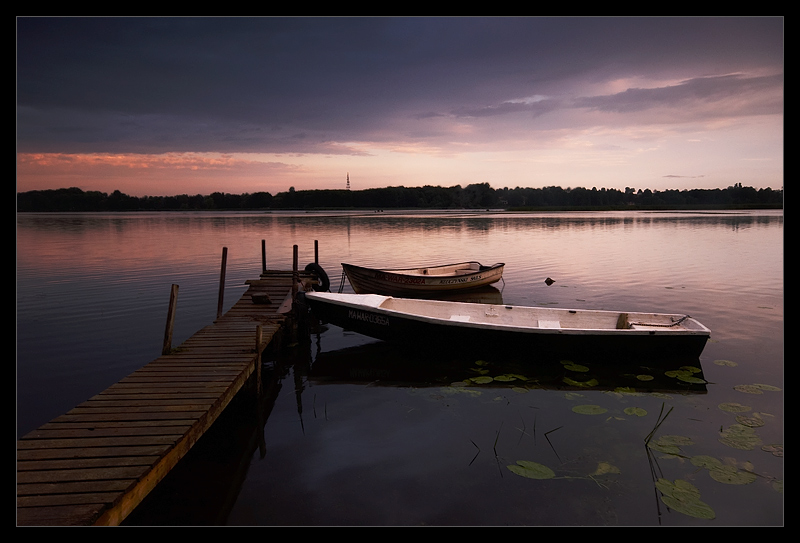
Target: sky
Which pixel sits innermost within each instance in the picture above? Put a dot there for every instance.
(167, 106)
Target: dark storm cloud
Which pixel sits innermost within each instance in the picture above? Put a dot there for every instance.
(297, 84)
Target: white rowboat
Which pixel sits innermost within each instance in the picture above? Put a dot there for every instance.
(497, 327)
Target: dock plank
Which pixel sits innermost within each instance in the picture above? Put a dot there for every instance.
(94, 464)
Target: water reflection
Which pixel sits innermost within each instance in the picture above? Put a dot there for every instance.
(383, 364)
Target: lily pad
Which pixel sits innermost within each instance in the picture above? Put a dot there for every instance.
(749, 389)
(505, 378)
(589, 383)
(637, 411)
(691, 379)
(740, 437)
(589, 409)
(684, 497)
(669, 444)
(767, 387)
(775, 448)
(482, 380)
(729, 363)
(705, 461)
(645, 377)
(733, 407)
(753, 422)
(731, 476)
(531, 470)
(575, 367)
(604, 468)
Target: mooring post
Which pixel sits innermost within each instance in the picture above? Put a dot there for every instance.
(259, 338)
(222, 281)
(316, 251)
(173, 301)
(295, 274)
(263, 256)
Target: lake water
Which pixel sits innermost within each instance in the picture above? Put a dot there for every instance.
(354, 433)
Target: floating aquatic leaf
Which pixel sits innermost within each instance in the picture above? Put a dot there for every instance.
(669, 444)
(661, 395)
(778, 486)
(749, 389)
(675, 440)
(691, 379)
(731, 476)
(753, 422)
(589, 383)
(604, 468)
(686, 373)
(691, 369)
(666, 449)
(481, 362)
(521, 390)
(589, 409)
(694, 508)
(645, 377)
(627, 390)
(705, 461)
(505, 378)
(482, 380)
(531, 470)
(576, 367)
(684, 497)
(638, 411)
(775, 448)
(573, 396)
(767, 387)
(733, 407)
(739, 437)
(728, 363)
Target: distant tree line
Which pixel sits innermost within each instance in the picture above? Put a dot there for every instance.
(476, 196)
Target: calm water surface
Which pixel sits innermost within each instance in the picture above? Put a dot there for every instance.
(354, 433)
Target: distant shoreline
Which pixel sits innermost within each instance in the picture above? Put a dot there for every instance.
(473, 197)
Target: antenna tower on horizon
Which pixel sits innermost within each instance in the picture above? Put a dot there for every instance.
(348, 180)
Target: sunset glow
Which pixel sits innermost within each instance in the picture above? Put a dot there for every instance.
(153, 106)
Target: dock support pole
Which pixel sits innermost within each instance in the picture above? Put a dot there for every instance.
(173, 301)
(295, 274)
(263, 256)
(222, 281)
(259, 339)
(316, 251)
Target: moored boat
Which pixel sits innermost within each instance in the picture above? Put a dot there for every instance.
(422, 280)
(487, 327)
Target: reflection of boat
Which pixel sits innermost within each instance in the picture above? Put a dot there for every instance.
(422, 280)
(381, 364)
(497, 327)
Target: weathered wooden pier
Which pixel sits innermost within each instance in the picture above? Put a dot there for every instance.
(95, 464)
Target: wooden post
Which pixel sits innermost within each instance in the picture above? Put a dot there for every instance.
(316, 251)
(263, 256)
(295, 274)
(222, 281)
(259, 339)
(173, 301)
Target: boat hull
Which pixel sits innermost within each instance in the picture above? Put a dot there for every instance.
(422, 281)
(546, 339)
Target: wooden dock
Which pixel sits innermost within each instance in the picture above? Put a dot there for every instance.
(95, 464)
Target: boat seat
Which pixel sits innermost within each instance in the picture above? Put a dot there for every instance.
(549, 324)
